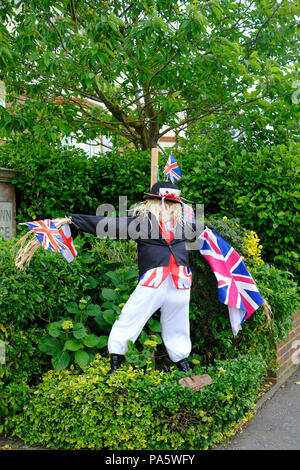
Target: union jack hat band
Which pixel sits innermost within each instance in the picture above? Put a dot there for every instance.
(164, 189)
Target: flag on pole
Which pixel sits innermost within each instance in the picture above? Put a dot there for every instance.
(236, 288)
(172, 170)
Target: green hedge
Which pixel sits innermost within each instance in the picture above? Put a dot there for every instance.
(53, 181)
(136, 410)
(260, 188)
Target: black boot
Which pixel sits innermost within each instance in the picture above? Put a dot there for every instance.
(115, 361)
(183, 365)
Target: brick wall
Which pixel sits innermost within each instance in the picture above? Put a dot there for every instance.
(288, 351)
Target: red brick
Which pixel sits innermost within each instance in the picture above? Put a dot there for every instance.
(279, 345)
(284, 357)
(297, 331)
(283, 350)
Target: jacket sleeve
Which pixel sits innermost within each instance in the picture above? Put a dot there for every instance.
(101, 226)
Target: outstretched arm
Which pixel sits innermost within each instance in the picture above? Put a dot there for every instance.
(113, 227)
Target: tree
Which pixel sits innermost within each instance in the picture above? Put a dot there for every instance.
(138, 69)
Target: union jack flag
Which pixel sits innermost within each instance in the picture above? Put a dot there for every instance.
(53, 239)
(188, 214)
(47, 234)
(70, 252)
(172, 169)
(236, 288)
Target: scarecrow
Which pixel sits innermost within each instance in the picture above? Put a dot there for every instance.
(158, 226)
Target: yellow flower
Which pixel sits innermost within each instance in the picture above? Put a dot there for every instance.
(67, 325)
(150, 343)
(252, 247)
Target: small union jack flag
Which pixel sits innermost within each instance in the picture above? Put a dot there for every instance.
(236, 288)
(188, 214)
(47, 234)
(172, 170)
(70, 252)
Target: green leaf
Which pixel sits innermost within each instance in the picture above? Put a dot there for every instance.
(103, 340)
(72, 345)
(54, 329)
(93, 310)
(130, 274)
(156, 338)
(137, 359)
(82, 358)
(91, 341)
(46, 59)
(109, 294)
(143, 336)
(79, 331)
(92, 282)
(100, 320)
(50, 345)
(72, 307)
(61, 360)
(109, 316)
(154, 325)
(87, 259)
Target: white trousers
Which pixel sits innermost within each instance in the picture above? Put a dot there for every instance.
(143, 302)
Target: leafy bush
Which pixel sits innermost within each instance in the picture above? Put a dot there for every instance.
(136, 410)
(212, 336)
(261, 188)
(73, 334)
(53, 180)
(41, 292)
(40, 296)
(24, 366)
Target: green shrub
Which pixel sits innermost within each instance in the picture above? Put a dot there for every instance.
(41, 292)
(260, 188)
(72, 337)
(136, 410)
(41, 295)
(212, 335)
(24, 366)
(53, 181)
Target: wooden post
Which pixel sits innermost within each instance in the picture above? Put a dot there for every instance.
(154, 166)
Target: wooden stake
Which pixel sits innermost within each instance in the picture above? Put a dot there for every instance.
(154, 166)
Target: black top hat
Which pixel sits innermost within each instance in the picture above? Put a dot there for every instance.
(164, 189)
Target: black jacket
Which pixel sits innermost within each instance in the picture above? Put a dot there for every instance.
(153, 249)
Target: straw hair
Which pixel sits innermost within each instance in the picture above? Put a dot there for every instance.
(173, 210)
(267, 311)
(28, 248)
